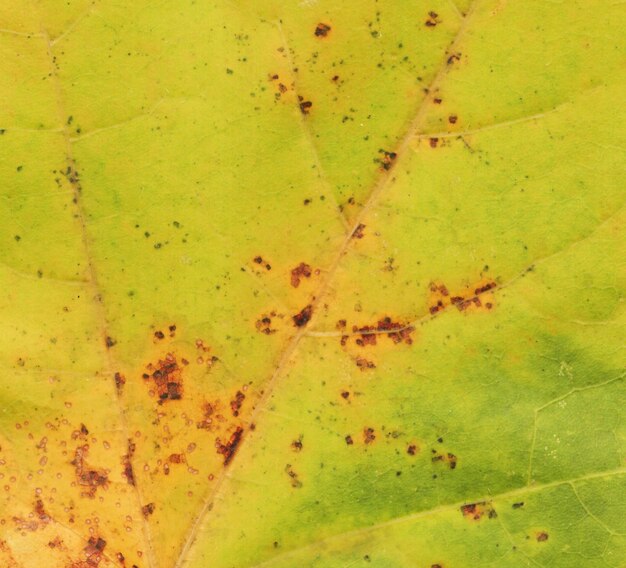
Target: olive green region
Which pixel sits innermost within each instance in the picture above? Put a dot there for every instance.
(204, 202)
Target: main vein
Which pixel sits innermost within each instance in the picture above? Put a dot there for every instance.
(384, 179)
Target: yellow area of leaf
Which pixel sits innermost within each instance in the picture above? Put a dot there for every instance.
(312, 284)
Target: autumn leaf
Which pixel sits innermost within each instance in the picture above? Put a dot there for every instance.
(312, 283)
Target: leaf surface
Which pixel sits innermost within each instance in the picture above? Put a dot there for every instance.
(312, 284)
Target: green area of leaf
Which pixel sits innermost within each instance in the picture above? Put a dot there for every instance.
(312, 283)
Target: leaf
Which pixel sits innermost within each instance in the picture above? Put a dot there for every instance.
(312, 284)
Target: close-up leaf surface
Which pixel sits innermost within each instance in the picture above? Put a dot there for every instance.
(312, 284)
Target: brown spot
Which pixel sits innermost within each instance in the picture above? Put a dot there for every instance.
(387, 159)
(437, 100)
(358, 232)
(321, 30)
(127, 463)
(433, 142)
(447, 458)
(301, 271)
(235, 404)
(168, 379)
(345, 394)
(518, 505)
(542, 536)
(208, 411)
(432, 20)
(368, 435)
(41, 512)
(453, 118)
(454, 57)
(475, 511)
(344, 339)
(229, 448)
(412, 450)
(176, 458)
(364, 364)
(398, 332)
(264, 324)
(441, 299)
(120, 381)
(349, 440)
(305, 106)
(147, 510)
(87, 476)
(109, 342)
(296, 445)
(93, 550)
(303, 316)
(295, 482)
(341, 324)
(159, 335)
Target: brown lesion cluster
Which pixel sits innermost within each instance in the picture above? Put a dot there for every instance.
(386, 159)
(478, 296)
(476, 511)
(88, 477)
(293, 477)
(167, 378)
(446, 458)
(303, 316)
(303, 270)
(432, 20)
(229, 447)
(237, 402)
(265, 323)
(127, 465)
(93, 552)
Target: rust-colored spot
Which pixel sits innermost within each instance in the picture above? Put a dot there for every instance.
(364, 364)
(147, 510)
(475, 511)
(321, 30)
(41, 513)
(452, 119)
(542, 536)
(433, 142)
(159, 335)
(446, 458)
(86, 476)
(229, 448)
(412, 450)
(127, 463)
(93, 550)
(432, 20)
(341, 324)
(305, 106)
(387, 159)
(345, 394)
(359, 231)
(368, 435)
(470, 297)
(120, 381)
(296, 445)
(167, 377)
(437, 100)
(235, 404)
(293, 476)
(109, 342)
(349, 440)
(303, 270)
(208, 414)
(453, 57)
(303, 316)
(176, 458)
(398, 332)
(264, 324)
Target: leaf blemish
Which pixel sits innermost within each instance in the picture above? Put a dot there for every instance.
(475, 511)
(303, 270)
(86, 476)
(322, 30)
(229, 448)
(303, 316)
